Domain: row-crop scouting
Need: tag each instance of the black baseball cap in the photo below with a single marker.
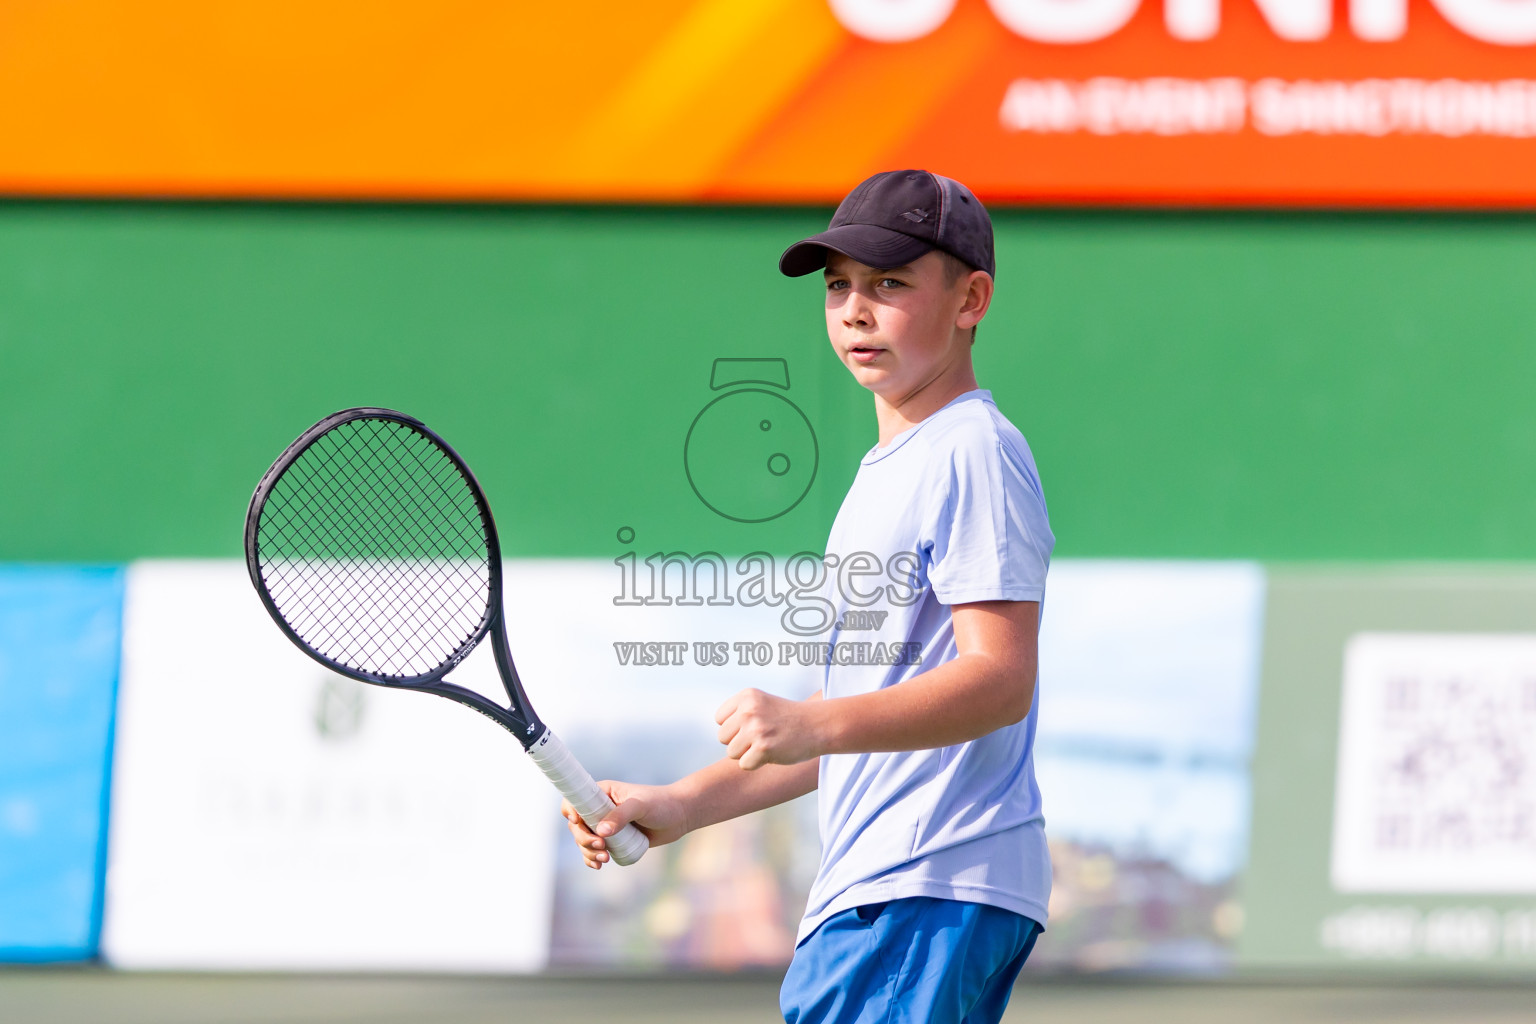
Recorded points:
(891, 219)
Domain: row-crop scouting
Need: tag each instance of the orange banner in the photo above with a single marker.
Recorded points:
(1375, 102)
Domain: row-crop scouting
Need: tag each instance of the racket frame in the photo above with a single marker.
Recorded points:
(519, 719)
(551, 755)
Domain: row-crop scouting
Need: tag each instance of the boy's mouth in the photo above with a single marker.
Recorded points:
(864, 353)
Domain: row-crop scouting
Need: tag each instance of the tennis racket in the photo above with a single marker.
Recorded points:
(373, 548)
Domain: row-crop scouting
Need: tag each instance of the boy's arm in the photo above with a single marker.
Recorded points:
(989, 684)
(713, 794)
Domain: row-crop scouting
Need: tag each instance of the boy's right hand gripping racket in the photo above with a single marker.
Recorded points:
(373, 548)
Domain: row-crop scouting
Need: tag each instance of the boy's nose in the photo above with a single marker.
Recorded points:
(857, 313)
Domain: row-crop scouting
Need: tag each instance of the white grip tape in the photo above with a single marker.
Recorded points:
(576, 784)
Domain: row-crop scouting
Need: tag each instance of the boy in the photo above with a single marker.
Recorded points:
(934, 873)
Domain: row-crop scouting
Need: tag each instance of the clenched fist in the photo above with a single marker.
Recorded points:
(758, 728)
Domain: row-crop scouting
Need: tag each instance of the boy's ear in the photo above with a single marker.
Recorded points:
(978, 298)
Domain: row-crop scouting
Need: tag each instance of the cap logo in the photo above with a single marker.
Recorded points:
(916, 216)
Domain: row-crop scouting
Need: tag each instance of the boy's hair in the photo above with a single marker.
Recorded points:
(954, 269)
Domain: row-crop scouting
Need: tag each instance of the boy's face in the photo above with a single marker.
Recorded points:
(899, 330)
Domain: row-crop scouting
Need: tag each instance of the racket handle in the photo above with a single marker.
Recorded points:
(576, 784)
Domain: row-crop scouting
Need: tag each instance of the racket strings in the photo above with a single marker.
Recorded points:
(396, 604)
(373, 549)
(382, 608)
(385, 598)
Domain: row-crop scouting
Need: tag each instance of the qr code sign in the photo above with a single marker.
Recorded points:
(1436, 783)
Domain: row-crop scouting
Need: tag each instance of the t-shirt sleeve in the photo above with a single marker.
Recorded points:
(987, 535)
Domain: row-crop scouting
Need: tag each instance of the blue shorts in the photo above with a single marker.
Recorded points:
(918, 959)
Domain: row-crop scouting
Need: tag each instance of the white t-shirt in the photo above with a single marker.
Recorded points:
(952, 511)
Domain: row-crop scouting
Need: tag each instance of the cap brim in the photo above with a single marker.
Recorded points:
(870, 244)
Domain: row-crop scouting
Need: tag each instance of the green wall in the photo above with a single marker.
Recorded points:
(1283, 387)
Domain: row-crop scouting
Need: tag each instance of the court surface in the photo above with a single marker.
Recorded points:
(102, 997)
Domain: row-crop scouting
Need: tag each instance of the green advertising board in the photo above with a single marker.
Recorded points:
(1210, 385)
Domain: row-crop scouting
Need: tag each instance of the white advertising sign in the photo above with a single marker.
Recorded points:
(1436, 786)
(269, 814)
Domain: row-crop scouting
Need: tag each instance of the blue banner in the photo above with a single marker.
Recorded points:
(60, 644)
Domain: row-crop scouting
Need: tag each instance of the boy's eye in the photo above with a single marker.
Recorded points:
(890, 282)
(833, 286)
